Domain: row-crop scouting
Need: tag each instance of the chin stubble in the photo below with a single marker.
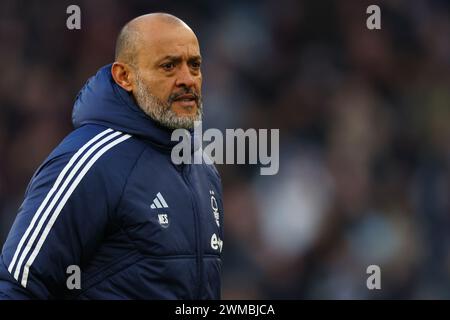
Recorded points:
(161, 111)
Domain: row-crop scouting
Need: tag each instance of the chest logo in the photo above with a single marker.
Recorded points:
(215, 207)
(159, 202)
(216, 243)
(163, 220)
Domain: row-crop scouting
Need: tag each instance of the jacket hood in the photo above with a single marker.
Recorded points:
(101, 101)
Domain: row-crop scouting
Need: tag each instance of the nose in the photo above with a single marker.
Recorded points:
(185, 78)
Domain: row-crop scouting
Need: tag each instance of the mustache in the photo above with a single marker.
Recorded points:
(184, 91)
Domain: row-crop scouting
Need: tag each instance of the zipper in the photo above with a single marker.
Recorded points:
(197, 231)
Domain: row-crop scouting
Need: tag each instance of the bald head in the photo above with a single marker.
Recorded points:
(133, 33)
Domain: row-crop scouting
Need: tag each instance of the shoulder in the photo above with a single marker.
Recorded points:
(93, 153)
(95, 142)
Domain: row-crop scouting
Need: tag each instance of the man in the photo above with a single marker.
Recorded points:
(109, 200)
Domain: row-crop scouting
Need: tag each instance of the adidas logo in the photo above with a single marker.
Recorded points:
(159, 202)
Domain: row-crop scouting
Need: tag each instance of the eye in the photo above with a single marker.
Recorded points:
(196, 64)
(168, 66)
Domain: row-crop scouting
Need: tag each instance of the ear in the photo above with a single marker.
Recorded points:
(122, 75)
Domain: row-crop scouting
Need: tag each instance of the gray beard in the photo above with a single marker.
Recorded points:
(161, 111)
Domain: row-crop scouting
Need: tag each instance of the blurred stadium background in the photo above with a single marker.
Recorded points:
(363, 118)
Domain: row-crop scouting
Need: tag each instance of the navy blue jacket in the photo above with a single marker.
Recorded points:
(109, 200)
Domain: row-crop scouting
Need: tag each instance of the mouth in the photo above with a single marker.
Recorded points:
(186, 100)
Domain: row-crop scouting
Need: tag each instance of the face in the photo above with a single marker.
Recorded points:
(167, 80)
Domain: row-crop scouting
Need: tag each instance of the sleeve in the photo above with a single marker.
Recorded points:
(59, 224)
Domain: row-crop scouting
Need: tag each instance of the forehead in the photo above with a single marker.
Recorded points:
(156, 43)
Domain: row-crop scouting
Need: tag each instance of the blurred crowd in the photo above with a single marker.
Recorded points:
(364, 135)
